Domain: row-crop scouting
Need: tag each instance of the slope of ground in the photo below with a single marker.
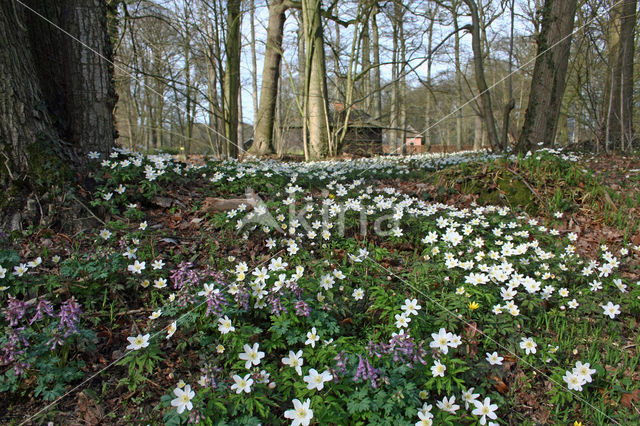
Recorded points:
(448, 289)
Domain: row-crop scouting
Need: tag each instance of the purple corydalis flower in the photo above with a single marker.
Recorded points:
(341, 362)
(292, 285)
(215, 302)
(242, 298)
(69, 316)
(302, 309)
(15, 310)
(182, 275)
(365, 371)
(12, 349)
(44, 306)
(276, 305)
(402, 348)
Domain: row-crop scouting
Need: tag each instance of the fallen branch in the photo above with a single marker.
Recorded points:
(212, 204)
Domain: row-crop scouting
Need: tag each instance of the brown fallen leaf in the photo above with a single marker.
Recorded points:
(499, 385)
(629, 399)
(90, 412)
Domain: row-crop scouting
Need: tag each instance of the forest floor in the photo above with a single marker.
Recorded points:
(521, 277)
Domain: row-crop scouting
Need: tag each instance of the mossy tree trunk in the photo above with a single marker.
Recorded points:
(56, 95)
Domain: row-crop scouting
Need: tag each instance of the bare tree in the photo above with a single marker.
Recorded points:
(486, 110)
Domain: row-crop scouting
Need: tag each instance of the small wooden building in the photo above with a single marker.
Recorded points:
(363, 136)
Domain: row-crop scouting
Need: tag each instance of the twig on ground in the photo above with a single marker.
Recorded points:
(89, 210)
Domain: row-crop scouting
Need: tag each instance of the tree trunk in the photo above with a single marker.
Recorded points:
(263, 138)
(232, 77)
(548, 81)
(485, 97)
(56, 96)
(477, 133)
(213, 128)
(316, 81)
(302, 53)
(254, 64)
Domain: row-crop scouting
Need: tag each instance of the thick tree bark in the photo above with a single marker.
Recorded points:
(548, 81)
(56, 93)
(21, 122)
(485, 97)
(232, 77)
(75, 80)
(263, 138)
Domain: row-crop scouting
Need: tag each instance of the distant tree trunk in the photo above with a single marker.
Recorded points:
(366, 64)
(232, 77)
(402, 117)
(627, 48)
(212, 94)
(429, 135)
(213, 49)
(478, 133)
(459, 94)
(337, 53)
(393, 107)
(375, 86)
(240, 126)
(485, 97)
(265, 118)
(302, 53)
(510, 101)
(619, 96)
(548, 81)
(189, 92)
(315, 81)
(56, 96)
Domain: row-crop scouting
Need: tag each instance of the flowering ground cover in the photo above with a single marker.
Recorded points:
(461, 289)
